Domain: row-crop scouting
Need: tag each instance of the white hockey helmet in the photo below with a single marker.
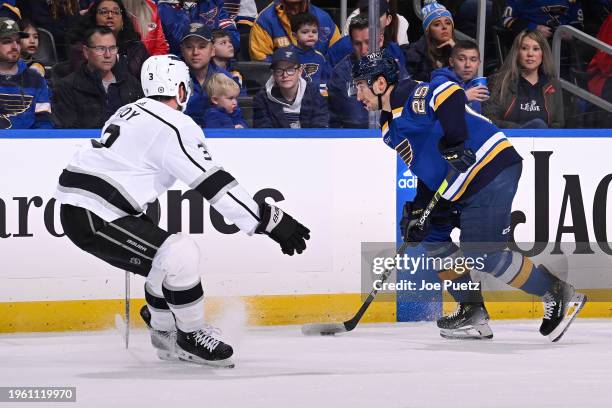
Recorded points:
(162, 75)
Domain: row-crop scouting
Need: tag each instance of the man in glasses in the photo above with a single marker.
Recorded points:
(88, 97)
(345, 110)
(288, 101)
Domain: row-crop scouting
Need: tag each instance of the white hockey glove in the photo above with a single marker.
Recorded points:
(282, 228)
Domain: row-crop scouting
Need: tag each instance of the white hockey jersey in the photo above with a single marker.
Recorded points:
(145, 147)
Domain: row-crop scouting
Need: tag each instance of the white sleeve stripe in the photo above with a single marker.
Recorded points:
(480, 154)
(438, 90)
(204, 176)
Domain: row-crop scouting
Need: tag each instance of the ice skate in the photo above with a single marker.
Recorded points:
(561, 306)
(202, 347)
(164, 342)
(469, 321)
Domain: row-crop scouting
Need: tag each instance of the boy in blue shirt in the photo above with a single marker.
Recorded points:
(225, 113)
(305, 30)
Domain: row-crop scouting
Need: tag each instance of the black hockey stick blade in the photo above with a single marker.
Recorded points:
(323, 329)
(329, 329)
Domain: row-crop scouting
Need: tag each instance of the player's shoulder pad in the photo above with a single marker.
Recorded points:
(400, 95)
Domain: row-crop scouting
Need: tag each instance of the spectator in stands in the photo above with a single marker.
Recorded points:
(197, 52)
(542, 15)
(57, 17)
(433, 49)
(305, 30)
(397, 28)
(344, 46)
(24, 95)
(525, 92)
(345, 110)
(10, 10)
(88, 97)
(600, 67)
(112, 14)
(225, 112)
(288, 101)
(29, 46)
(147, 22)
(271, 29)
(464, 63)
(223, 55)
(176, 15)
(465, 14)
(244, 19)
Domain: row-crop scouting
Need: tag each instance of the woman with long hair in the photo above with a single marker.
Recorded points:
(147, 23)
(525, 91)
(434, 48)
(112, 14)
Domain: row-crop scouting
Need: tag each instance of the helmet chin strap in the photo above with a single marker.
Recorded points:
(380, 95)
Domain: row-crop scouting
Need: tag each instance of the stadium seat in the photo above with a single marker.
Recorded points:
(246, 106)
(255, 74)
(46, 54)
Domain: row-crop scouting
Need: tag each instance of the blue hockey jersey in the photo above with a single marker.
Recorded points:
(24, 100)
(521, 14)
(414, 130)
(176, 19)
(314, 67)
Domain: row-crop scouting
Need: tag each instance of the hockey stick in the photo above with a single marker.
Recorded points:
(328, 329)
(123, 324)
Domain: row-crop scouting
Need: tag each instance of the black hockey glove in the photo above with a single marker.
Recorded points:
(282, 228)
(408, 224)
(458, 157)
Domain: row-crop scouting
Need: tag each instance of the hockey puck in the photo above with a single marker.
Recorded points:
(327, 334)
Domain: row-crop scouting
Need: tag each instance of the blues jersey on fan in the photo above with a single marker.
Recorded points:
(551, 13)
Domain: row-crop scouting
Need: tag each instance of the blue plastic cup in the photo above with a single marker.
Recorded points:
(478, 81)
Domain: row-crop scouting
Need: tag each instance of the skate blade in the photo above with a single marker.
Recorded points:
(479, 332)
(167, 355)
(191, 358)
(575, 306)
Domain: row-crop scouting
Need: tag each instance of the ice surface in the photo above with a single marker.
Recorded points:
(400, 365)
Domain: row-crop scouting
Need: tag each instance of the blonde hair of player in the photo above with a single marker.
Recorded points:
(220, 84)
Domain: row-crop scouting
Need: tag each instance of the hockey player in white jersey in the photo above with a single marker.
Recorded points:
(145, 147)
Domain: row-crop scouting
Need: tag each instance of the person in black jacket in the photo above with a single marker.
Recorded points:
(112, 14)
(288, 101)
(88, 97)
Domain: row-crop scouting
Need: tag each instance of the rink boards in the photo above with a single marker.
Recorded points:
(341, 184)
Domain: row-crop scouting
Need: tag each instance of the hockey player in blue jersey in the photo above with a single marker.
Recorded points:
(432, 129)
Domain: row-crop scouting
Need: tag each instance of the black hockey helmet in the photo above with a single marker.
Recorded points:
(373, 65)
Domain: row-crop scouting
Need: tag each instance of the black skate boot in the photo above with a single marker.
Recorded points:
(202, 347)
(163, 341)
(469, 321)
(561, 306)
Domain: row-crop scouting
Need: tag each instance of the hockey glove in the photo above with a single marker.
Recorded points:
(282, 228)
(458, 157)
(408, 224)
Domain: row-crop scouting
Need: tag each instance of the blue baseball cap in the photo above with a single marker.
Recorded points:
(285, 54)
(198, 30)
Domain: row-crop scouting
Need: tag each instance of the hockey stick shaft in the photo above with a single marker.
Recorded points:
(127, 309)
(352, 323)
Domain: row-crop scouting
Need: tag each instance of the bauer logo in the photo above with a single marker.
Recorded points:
(406, 180)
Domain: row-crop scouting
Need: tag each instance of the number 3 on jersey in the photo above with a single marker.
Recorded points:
(418, 101)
